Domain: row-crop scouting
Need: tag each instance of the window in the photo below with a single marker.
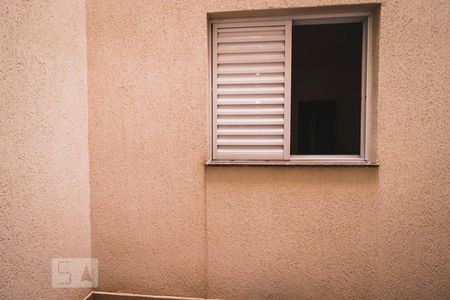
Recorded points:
(290, 90)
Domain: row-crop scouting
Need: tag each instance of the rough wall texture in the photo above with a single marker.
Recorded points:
(147, 173)
(44, 187)
(163, 224)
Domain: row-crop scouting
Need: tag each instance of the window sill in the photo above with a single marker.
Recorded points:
(311, 163)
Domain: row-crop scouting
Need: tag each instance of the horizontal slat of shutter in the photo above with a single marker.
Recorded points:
(250, 28)
(259, 130)
(250, 140)
(250, 120)
(249, 36)
(250, 68)
(249, 90)
(250, 99)
(227, 58)
(252, 47)
(250, 109)
(250, 78)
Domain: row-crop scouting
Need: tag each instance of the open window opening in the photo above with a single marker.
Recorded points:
(326, 89)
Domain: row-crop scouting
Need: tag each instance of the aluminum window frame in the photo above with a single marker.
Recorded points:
(366, 18)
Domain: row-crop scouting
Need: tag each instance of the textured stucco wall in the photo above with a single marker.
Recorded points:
(44, 185)
(164, 224)
(147, 173)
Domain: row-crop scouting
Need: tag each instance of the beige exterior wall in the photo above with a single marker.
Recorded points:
(165, 224)
(44, 174)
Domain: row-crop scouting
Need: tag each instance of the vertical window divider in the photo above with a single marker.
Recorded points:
(214, 89)
(363, 126)
(287, 90)
(368, 89)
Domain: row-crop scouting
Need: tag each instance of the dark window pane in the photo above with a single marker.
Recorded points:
(326, 89)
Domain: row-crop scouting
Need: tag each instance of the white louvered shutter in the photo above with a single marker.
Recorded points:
(251, 64)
